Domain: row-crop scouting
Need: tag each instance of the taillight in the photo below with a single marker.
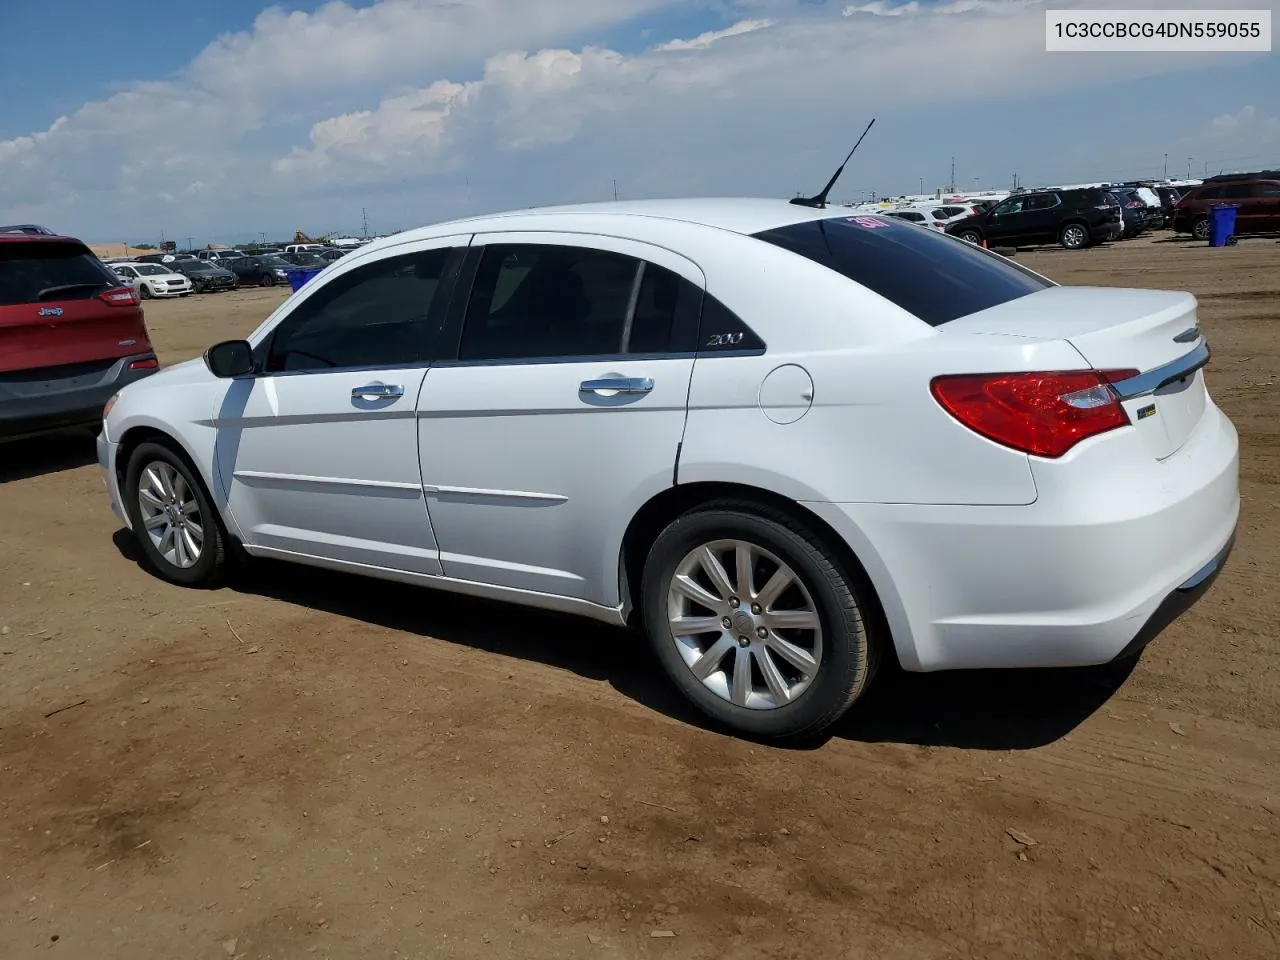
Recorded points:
(146, 363)
(119, 297)
(1133, 204)
(1043, 414)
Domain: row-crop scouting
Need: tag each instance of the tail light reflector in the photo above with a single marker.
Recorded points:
(119, 297)
(146, 363)
(1043, 414)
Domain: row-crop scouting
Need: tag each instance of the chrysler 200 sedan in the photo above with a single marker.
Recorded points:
(784, 443)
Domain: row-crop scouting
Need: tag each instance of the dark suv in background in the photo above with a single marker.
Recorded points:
(70, 334)
(1257, 194)
(1075, 218)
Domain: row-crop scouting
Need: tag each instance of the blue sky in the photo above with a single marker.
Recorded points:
(223, 119)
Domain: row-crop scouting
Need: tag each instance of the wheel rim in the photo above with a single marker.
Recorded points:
(745, 624)
(1074, 236)
(970, 237)
(1201, 229)
(171, 514)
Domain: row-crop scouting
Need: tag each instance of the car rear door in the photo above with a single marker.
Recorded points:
(562, 411)
(1269, 204)
(317, 453)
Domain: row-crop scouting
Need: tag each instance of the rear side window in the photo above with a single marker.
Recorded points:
(45, 272)
(1209, 193)
(935, 277)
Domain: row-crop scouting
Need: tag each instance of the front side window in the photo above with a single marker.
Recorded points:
(557, 302)
(374, 316)
(933, 276)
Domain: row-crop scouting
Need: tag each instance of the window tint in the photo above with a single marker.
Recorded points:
(933, 276)
(50, 271)
(1267, 190)
(1209, 193)
(544, 300)
(666, 313)
(1043, 201)
(1238, 191)
(376, 315)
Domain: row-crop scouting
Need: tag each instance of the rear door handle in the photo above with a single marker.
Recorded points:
(615, 385)
(377, 391)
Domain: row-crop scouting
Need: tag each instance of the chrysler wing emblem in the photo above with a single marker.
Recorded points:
(1189, 335)
(50, 311)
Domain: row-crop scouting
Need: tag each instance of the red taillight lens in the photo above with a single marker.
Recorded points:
(1133, 204)
(1043, 414)
(119, 297)
(147, 363)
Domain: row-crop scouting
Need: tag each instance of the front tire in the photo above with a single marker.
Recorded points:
(144, 292)
(1200, 229)
(172, 516)
(1074, 236)
(970, 236)
(756, 621)
(268, 280)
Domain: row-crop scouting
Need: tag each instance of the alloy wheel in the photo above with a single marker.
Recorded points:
(1073, 236)
(171, 514)
(745, 624)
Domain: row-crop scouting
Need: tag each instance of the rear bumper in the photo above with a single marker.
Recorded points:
(32, 407)
(1090, 572)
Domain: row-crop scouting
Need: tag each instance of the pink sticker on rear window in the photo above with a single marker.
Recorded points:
(869, 222)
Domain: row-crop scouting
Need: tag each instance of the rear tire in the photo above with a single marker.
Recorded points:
(173, 517)
(1200, 228)
(766, 675)
(1074, 236)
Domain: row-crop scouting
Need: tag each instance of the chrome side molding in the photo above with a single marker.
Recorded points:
(1171, 372)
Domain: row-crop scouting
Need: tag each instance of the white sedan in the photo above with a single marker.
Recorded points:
(153, 280)
(786, 442)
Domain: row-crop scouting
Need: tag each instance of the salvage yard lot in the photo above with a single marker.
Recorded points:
(307, 764)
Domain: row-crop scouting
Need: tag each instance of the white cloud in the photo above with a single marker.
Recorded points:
(306, 112)
(1233, 122)
(704, 40)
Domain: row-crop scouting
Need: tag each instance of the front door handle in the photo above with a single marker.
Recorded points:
(377, 391)
(609, 386)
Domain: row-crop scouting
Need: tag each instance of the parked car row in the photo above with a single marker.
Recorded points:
(160, 275)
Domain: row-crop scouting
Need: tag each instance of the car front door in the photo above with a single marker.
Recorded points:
(317, 453)
(1007, 221)
(562, 411)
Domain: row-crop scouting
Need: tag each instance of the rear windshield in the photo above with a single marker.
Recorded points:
(935, 277)
(47, 272)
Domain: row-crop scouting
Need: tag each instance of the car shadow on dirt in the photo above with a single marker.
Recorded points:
(51, 453)
(983, 710)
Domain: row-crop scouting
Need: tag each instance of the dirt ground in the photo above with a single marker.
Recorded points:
(311, 765)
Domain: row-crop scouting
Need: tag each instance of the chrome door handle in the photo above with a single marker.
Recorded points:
(377, 391)
(613, 385)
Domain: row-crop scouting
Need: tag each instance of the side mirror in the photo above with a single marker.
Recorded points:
(231, 358)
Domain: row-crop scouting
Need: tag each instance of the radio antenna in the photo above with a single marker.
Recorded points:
(820, 200)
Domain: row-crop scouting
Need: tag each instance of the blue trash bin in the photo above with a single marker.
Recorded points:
(1222, 223)
(300, 275)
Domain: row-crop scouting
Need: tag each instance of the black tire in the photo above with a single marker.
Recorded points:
(268, 280)
(1200, 228)
(144, 291)
(187, 294)
(212, 563)
(1074, 236)
(970, 236)
(850, 653)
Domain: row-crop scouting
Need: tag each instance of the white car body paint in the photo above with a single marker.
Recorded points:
(508, 481)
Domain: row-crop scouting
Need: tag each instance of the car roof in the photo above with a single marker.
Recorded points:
(741, 215)
(37, 238)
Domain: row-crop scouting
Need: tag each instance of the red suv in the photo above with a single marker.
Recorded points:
(70, 334)
(1257, 194)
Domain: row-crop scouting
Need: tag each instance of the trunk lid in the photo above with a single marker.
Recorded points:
(51, 313)
(1154, 332)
